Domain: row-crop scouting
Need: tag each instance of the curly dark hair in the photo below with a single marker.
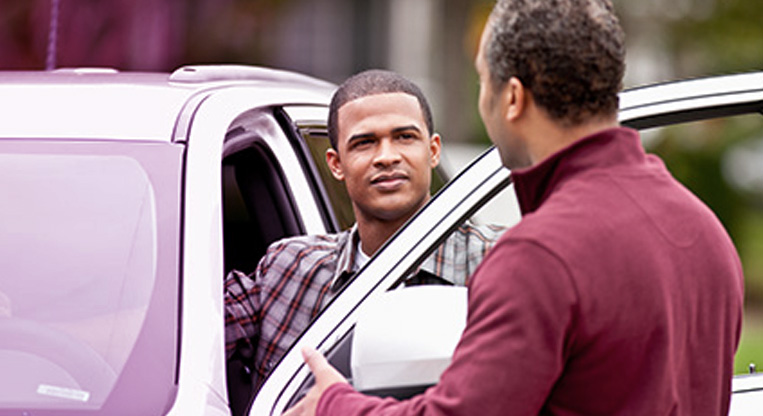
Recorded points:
(570, 54)
(372, 82)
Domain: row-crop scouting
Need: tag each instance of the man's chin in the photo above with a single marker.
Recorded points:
(399, 212)
(512, 162)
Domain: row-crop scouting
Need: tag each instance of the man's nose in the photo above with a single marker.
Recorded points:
(386, 153)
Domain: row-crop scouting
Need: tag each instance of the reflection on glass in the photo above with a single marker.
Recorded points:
(77, 270)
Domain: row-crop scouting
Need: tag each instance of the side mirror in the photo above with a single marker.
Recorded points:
(405, 340)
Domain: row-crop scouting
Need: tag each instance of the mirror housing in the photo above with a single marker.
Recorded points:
(405, 340)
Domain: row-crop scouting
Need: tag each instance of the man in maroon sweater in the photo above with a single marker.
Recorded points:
(619, 292)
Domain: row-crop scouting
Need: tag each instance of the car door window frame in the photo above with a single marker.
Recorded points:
(306, 123)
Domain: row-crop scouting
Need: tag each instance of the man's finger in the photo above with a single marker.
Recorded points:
(314, 359)
(325, 374)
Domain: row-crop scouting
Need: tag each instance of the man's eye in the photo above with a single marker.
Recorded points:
(407, 136)
(361, 143)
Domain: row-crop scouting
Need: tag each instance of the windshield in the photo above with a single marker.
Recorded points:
(88, 243)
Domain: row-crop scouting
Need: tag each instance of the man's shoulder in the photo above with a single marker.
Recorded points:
(304, 247)
(310, 242)
(482, 232)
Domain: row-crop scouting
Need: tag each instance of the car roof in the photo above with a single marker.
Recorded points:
(99, 103)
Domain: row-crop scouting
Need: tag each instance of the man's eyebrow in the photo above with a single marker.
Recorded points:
(361, 136)
(404, 128)
(372, 135)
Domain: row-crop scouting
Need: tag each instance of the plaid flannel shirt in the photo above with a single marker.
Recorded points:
(267, 310)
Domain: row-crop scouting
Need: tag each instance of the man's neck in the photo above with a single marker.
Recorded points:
(552, 137)
(373, 233)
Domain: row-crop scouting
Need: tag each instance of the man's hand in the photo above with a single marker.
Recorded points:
(325, 376)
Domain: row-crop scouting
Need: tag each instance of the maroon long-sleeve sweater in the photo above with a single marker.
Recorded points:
(619, 293)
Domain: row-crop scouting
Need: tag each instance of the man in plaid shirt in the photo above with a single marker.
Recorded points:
(383, 148)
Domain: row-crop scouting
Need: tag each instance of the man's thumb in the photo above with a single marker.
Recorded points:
(313, 358)
(325, 374)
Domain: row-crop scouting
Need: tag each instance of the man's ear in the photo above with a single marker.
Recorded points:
(435, 147)
(514, 99)
(335, 165)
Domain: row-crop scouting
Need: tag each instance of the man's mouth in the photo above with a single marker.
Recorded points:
(389, 181)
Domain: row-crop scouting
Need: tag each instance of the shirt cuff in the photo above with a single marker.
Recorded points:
(334, 391)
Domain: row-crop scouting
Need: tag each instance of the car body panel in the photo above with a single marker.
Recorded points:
(83, 104)
(747, 399)
(202, 297)
(190, 111)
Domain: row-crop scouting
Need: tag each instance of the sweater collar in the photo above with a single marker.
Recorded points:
(606, 148)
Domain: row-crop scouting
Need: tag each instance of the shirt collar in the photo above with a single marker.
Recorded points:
(605, 148)
(346, 262)
(346, 267)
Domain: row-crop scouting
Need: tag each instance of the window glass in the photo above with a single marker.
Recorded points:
(317, 140)
(79, 270)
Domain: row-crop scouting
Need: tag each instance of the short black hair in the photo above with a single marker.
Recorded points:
(569, 54)
(373, 82)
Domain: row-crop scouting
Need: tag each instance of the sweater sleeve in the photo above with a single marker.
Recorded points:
(521, 311)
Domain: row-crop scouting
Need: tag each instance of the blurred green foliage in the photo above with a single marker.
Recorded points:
(694, 153)
(727, 38)
(751, 345)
